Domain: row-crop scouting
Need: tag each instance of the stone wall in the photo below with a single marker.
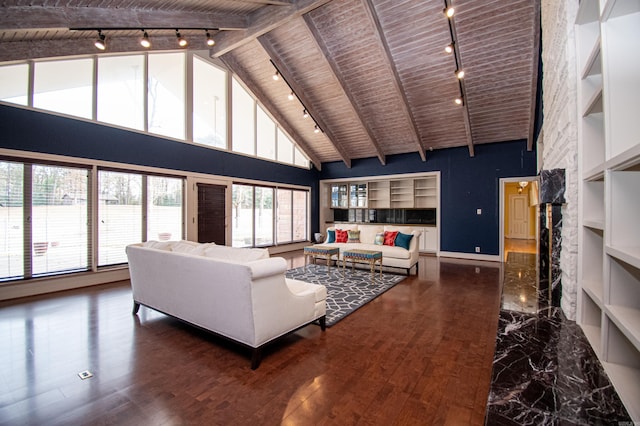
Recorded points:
(560, 129)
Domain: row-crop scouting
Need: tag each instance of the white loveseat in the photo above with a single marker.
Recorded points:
(240, 294)
(392, 256)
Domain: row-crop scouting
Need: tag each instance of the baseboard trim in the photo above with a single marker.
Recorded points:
(471, 256)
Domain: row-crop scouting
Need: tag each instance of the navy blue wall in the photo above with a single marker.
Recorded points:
(34, 131)
(467, 183)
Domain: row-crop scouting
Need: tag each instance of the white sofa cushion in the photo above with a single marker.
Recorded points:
(235, 254)
(368, 233)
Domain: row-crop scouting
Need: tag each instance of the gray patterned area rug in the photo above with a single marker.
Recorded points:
(346, 291)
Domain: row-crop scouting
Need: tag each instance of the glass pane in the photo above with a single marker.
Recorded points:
(266, 135)
(164, 205)
(299, 215)
(243, 120)
(166, 94)
(64, 86)
(242, 216)
(285, 148)
(121, 90)
(14, 83)
(300, 159)
(59, 219)
(11, 220)
(119, 215)
(209, 104)
(263, 216)
(284, 216)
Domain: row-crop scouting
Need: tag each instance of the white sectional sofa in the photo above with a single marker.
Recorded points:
(392, 256)
(241, 294)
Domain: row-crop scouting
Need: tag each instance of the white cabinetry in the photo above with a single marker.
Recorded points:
(608, 64)
(429, 239)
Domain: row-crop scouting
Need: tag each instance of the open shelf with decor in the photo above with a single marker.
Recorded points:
(608, 75)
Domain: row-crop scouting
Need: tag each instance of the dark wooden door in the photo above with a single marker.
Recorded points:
(211, 213)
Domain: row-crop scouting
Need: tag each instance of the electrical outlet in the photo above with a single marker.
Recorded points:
(85, 374)
(477, 249)
(477, 270)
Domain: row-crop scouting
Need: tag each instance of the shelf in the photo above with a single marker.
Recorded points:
(626, 161)
(593, 224)
(594, 103)
(623, 224)
(628, 322)
(630, 255)
(594, 290)
(593, 203)
(587, 12)
(627, 383)
(594, 174)
(593, 64)
(591, 134)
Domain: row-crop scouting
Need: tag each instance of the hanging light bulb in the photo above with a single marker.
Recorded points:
(210, 40)
(181, 41)
(276, 76)
(305, 113)
(290, 96)
(144, 41)
(449, 11)
(316, 129)
(458, 101)
(449, 48)
(100, 42)
(460, 74)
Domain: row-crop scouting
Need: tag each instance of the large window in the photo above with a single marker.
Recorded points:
(65, 86)
(149, 92)
(209, 104)
(56, 236)
(166, 94)
(14, 84)
(259, 221)
(243, 113)
(121, 90)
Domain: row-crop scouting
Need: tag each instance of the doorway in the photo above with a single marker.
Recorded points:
(518, 216)
(211, 213)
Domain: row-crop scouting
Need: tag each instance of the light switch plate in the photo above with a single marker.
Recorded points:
(479, 211)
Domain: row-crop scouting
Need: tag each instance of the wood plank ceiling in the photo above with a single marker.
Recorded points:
(373, 74)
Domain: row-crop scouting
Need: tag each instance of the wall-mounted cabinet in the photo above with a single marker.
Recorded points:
(358, 194)
(339, 195)
(608, 63)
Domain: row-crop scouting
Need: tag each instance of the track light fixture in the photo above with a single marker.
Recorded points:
(182, 42)
(458, 101)
(276, 75)
(305, 113)
(144, 41)
(210, 40)
(290, 96)
(449, 11)
(449, 48)
(460, 74)
(100, 43)
(316, 129)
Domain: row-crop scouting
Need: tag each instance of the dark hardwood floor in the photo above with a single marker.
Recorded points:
(419, 354)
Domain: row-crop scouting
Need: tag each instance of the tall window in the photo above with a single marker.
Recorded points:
(164, 208)
(60, 222)
(65, 86)
(14, 81)
(11, 220)
(119, 215)
(209, 104)
(166, 94)
(243, 120)
(121, 90)
(265, 135)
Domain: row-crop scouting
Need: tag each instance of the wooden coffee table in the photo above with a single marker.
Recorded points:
(321, 251)
(362, 256)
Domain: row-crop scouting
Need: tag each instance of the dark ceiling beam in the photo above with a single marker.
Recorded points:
(36, 17)
(261, 22)
(36, 49)
(254, 87)
(371, 11)
(300, 93)
(534, 77)
(343, 86)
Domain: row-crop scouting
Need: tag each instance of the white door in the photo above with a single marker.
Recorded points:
(518, 216)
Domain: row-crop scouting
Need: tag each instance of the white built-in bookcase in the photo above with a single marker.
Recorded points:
(608, 64)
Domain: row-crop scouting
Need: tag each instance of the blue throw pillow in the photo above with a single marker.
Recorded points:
(331, 236)
(403, 240)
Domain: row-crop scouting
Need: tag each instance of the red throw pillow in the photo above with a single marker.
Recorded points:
(390, 238)
(341, 236)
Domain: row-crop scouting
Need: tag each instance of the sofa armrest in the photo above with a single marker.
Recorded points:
(267, 267)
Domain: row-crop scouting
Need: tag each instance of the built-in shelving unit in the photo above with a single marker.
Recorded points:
(401, 194)
(379, 194)
(608, 64)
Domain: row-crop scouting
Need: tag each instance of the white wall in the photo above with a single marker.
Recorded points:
(560, 128)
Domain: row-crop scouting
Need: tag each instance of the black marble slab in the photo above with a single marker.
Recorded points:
(546, 373)
(552, 186)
